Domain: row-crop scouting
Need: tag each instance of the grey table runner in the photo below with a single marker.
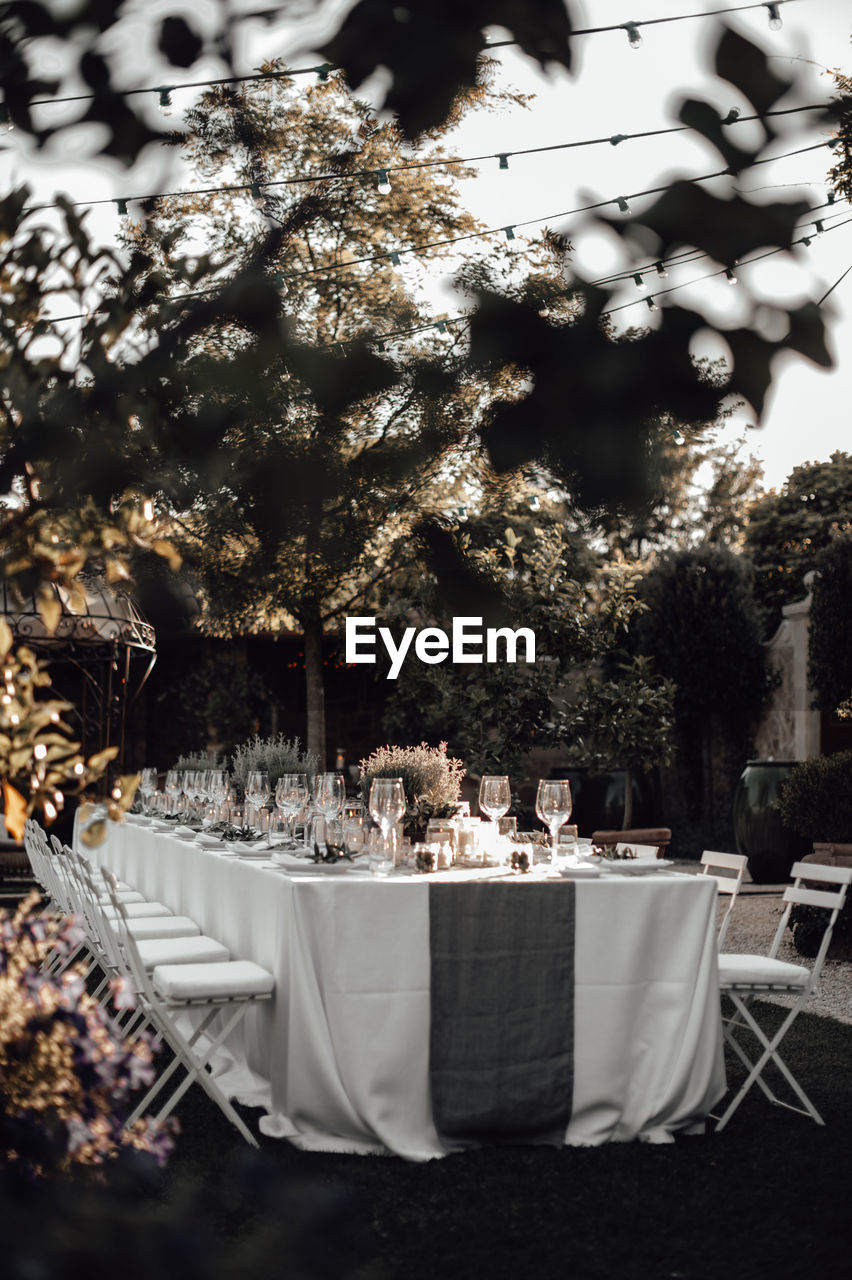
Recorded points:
(502, 1028)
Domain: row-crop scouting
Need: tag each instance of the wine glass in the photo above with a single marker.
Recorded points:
(218, 790)
(148, 786)
(387, 805)
(329, 794)
(257, 792)
(291, 793)
(174, 783)
(495, 795)
(553, 806)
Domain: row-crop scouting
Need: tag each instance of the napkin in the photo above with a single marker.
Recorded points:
(206, 841)
(185, 833)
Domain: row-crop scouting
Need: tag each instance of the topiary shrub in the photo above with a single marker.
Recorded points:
(816, 802)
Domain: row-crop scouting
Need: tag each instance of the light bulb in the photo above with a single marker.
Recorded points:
(383, 185)
(634, 35)
(660, 270)
(729, 276)
(395, 260)
(775, 22)
(462, 515)
(6, 125)
(820, 226)
(624, 207)
(165, 101)
(831, 198)
(638, 281)
(441, 326)
(806, 241)
(678, 437)
(510, 233)
(504, 160)
(122, 208)
(535, 505)
(651, 304)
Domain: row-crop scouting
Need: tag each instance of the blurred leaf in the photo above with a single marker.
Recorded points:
(180, 44)
(745, 66)
(705, 119)
(15, 811)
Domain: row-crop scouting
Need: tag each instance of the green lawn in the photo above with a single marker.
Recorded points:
(768, 1197)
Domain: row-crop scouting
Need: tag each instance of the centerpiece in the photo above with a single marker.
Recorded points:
(431, 781)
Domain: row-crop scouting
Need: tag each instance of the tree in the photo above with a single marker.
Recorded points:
(701, 628)
(494, 714)
(323, 481)
(788, 529)
(594, 441)
(830, 637)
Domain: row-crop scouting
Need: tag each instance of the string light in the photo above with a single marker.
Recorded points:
(775, 21)
(623, 206)
(165, 100)
(639, 281)
(651, 304)
(678, 436)
(504, 160)
(660, 270)
(535, 505)
(820, 226)
(6, 125)
(510, 233)
(383, 185)
(395, 259)
(729, 276)
(634, 35)
(122, 208)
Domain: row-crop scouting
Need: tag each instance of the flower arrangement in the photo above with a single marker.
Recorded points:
(65, 1078)
(431, 780)
(275, 756)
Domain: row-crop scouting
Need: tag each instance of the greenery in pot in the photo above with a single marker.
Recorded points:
(816, 802)
(431, 780)
(274, 756)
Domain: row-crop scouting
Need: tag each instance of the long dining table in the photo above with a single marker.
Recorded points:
(339, 1059)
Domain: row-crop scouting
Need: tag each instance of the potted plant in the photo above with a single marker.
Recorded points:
(431, 781)
(273, 756)
(816, 803)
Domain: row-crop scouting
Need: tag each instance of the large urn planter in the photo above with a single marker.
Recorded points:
(771, 848)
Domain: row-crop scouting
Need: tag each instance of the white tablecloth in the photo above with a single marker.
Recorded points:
(340, 1057)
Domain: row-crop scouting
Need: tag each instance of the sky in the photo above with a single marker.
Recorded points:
(613, 89)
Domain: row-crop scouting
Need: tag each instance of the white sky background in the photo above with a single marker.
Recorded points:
(614, 89)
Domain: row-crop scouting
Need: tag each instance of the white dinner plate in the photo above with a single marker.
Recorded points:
(580, 873)
(637, 866)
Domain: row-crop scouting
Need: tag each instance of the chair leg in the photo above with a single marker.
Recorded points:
(769, 1053)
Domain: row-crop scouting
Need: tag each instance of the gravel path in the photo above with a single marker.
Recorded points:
(753, 923)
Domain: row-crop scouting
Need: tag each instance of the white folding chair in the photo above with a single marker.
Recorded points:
(727, 870)
(227, 989)
(744, 977)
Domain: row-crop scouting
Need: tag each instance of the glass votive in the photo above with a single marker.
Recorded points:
(507, 826)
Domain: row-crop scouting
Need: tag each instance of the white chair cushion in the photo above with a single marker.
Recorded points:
(123, 895)
(197, 950)
(138, 910)
(205, 981)
(759, 971)
(161, 927)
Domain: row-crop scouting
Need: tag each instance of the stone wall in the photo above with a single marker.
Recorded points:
(790, 727)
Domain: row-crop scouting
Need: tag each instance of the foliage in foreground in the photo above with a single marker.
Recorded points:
(830, 634)
(66, 1078)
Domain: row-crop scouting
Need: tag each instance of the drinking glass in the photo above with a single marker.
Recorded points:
(291, 792)
(387, 805)
(148, 786)
(494, 795)
(174, 781)
(258, 793)
(329, 794)
(218, 790)
(553, 807)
